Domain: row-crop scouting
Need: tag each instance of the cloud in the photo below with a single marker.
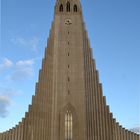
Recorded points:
(136, 130)
(21, 74)
(6, 95)
(4, 103)
(23, 70)
(25, 62)
(20, 70)
(6, 63)
(30, 42)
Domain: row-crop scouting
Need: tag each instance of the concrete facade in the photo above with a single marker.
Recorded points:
(69, 102)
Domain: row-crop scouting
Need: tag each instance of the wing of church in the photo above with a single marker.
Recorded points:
(68, 103)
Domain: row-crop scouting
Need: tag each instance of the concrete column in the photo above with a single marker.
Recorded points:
(6, 134)
(95, 123)
(48, 97)
(18, 132)
(10, 134)
(2, 136)
(43, 102)
(100, 107)
(88, 91)
(121, 133)
(127, 137)
(115, 130)
(44, 105)
(112, 134)
(130, 136)
(138, 137)
(118, 131)
(124, 137)
(24, 128)
(93, 116)
(121, 136)
(47, 108)
(92, 104)
(12, 131)
(126, 134)
(133, 137)
(102, 112)
(106, 120)
(90, 97)
(97, 106)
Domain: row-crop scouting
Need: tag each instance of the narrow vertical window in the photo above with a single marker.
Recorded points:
(68, 6)
(75, 8)
(61, 8)
(68, 125)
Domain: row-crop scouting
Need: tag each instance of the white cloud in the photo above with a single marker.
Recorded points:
(135, 130)
(4, 103)
(22, 70)
(21, 74)
(6, 95)
(25, 62)
(6, 63)
(26, 42)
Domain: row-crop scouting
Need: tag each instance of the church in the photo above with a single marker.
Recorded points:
(68, 103)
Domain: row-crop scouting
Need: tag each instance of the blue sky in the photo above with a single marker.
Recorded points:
(114, 32)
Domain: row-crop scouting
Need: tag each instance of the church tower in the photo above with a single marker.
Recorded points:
(68, 103)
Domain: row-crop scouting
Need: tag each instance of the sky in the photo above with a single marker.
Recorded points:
(114, 31)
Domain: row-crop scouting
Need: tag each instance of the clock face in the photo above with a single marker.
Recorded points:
(68, 22)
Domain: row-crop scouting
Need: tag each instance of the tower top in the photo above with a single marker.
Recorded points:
(68, 6)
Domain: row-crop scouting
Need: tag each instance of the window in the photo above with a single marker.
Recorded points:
(61, 8)
(75, 8)
(68, 6)
(68, 125)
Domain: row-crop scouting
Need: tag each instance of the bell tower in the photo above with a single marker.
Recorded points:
(68, 103)
(69, 96)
